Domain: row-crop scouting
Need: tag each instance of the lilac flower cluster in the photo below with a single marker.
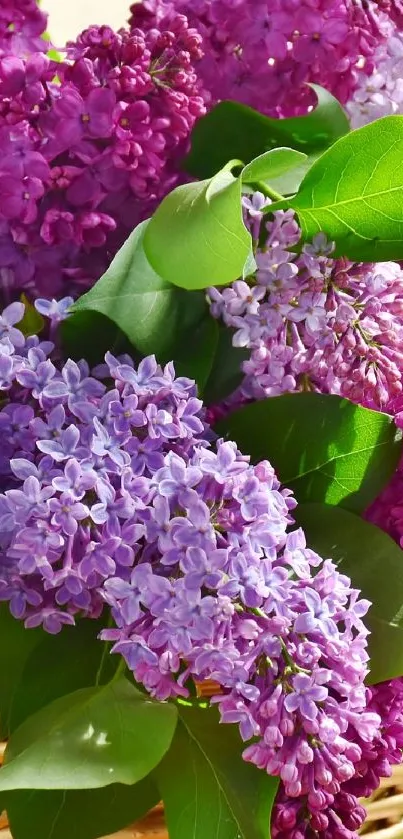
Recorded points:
(22, 23)
(379, 93)
(118, 496)
(313, 322)
(76, 467)
(89, 154)
(256, 52)
(377, 758)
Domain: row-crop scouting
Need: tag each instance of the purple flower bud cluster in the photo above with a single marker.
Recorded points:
(346, 814)
(118, 495)
(313, 322)
(87, 155)
(256, 52)
(22, 23)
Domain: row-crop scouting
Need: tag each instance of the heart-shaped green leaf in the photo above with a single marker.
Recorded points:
(60, 664)
(82, 814)
(375, 564)
(197, 237)
(207, 788)
(323, 447)
(354, 193)
(90, 738)
(157, 317)
(271, 164)
(231, 130)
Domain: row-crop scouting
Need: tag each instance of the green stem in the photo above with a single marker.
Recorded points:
(263, 187)
(120, 670)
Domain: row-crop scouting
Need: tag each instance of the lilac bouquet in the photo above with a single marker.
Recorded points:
(201, 376)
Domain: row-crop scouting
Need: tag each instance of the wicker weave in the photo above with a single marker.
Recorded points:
(384, 820)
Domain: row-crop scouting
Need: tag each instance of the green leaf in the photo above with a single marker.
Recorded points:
(231, 130)
(82, 814)
(207, 788)
(375, 564)
(156, 316)
(323, 447)
(272, 164)
(90, 738)
(226, 373)
(354, 193)
(196, 357)
(197, 237)
(17, 645)
(288, 183)
(89, 335)
(60, 664)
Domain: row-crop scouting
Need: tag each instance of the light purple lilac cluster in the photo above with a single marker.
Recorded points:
(256, 52)
(76, 469)
(313, 322)
(118, 495)
(88, 154)
(379, 93)
(378, 755)
(22, 24)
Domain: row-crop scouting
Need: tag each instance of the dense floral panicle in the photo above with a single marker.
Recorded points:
(379, 93)
(256, 52)
(22, 23)
(77, 463)
(313, 322)
(345, 814)
(118, 495)
(85, 159)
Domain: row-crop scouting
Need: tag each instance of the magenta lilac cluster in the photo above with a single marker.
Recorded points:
(117, 494)
(22, 23)
(313, 322)
(88, 154)
(256, 52)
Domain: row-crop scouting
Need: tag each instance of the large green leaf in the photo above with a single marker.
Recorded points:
(207, 788)
(288, 183)
(156, 316)
(272, 164)
(226, 373)
(16, 646)
(323, 447)
(197, 237)
(82, 814)
(354, 193)
(231, 130)
(375, 564)
(60, 664)
(90, 738)
(89, 335)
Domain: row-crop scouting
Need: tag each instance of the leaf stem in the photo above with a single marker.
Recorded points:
(263, 187)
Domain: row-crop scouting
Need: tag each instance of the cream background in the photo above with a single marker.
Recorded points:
(68, 17)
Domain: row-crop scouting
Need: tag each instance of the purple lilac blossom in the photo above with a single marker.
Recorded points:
(256, 52)
(88, 156)
(312, 322)
(22, 23)
(191, 547)
(379, 93)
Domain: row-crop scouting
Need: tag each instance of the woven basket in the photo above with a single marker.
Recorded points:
(384, 819)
